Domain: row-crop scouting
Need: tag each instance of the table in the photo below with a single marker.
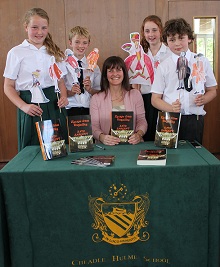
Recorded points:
(54, 213)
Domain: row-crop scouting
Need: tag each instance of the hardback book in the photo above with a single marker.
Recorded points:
(122, 125)
(80, 133)
(152, 157)
(167, 129)
(51, 139)
(98, 161)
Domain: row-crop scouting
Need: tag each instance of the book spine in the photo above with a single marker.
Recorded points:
(41, 141)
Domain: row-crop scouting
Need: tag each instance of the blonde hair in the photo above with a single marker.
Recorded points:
(51, 47)
(81, 31)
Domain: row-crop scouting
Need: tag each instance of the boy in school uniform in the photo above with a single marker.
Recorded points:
(79, 94)
(184, 82)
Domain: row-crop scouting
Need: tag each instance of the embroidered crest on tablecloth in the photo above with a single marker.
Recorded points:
(119, 216)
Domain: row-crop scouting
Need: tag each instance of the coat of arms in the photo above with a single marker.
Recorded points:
(119, 216)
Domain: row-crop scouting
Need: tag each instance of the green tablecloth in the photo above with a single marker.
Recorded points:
(57, 214)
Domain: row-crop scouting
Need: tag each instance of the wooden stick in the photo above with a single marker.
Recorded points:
(58, 99)
(40, 115)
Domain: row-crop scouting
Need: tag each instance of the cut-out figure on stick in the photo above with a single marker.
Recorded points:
(198, 75)
(72, 65)
(183, 71)
(37, 94)
(138, 63)
(92, 59)
(55, 74)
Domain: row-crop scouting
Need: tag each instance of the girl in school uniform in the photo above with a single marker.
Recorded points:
(27, 72)
(151, 41)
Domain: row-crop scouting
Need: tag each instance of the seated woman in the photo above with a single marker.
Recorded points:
(116, 95)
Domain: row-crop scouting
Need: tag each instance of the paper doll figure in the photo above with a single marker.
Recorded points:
(92, 59)
(37, 94)
(140, 69)
(55, 73)
(198, 75)
(156, 62)
(72, 65)
(183, 71)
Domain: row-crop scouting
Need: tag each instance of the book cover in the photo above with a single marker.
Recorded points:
(107, 160)
(167, 129)
(80, 133)
(152, 157)
(51, 139)
(122, 125)
(98, 161)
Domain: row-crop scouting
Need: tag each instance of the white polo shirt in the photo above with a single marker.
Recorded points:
(166, 83)
(82, 100)
(23, 60)
(163, 53)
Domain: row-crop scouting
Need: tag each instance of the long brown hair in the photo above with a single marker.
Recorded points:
(158, 22)
(51, 47)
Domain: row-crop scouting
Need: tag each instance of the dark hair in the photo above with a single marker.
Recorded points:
(177, 26)
(158, 22)
(111, 63)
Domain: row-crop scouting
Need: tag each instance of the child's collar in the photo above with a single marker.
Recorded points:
(82, 59)
(175, 57)
(25, 43)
